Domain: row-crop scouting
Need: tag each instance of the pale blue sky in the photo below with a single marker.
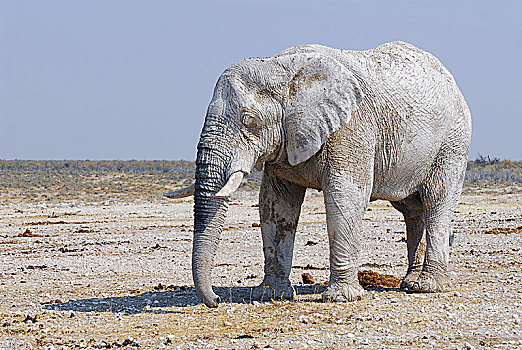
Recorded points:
(132, 79)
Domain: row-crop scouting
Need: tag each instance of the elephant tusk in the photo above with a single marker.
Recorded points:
(182, 193)
(231, 186)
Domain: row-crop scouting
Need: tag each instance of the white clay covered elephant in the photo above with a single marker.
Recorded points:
(388, 123)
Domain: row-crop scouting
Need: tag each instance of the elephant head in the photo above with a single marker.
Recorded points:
(279, 110)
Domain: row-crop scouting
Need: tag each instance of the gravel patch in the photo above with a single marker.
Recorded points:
(106, 275)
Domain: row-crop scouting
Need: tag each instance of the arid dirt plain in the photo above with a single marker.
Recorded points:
(116, 272)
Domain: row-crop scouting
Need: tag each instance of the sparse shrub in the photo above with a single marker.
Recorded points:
(488, 171)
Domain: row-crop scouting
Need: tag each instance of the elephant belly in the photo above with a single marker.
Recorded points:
(391, 194)
(398, 174)
(397, 183)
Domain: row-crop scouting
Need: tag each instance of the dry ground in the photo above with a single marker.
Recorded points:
(112, 274)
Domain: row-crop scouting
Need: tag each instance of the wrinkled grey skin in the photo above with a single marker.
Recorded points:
(387, 123)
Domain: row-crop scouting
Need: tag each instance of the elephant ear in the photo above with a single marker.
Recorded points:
(321, 98)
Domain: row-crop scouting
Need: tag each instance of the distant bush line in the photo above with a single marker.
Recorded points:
(177, 168)
(482, 171)
(487, 171)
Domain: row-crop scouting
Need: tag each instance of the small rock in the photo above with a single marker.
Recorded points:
(468, 346)
(130, 342)
(169, 339)
(30, 319)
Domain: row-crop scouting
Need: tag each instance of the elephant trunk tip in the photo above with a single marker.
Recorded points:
(212, 300)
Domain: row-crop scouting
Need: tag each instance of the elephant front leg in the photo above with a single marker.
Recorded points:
(279, 207)
(345, 206)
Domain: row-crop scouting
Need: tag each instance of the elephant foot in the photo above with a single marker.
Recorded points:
(273, 290)
(411, 277)
(430, 283)
(341, 291)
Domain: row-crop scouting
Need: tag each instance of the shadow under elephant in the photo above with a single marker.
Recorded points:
(154, 302)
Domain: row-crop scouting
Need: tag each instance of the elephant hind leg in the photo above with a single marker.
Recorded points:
(411, 209)
(440, 195)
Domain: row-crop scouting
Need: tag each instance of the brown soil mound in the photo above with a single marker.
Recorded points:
(307, 278)
(28, 233)
(367, 278)
(503, 230)
(373, 279)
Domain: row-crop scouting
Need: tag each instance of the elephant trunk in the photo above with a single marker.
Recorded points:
(209, 216)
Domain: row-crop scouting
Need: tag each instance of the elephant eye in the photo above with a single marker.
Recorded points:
(249, 121)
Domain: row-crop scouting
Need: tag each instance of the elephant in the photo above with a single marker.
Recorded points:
(387, 123)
